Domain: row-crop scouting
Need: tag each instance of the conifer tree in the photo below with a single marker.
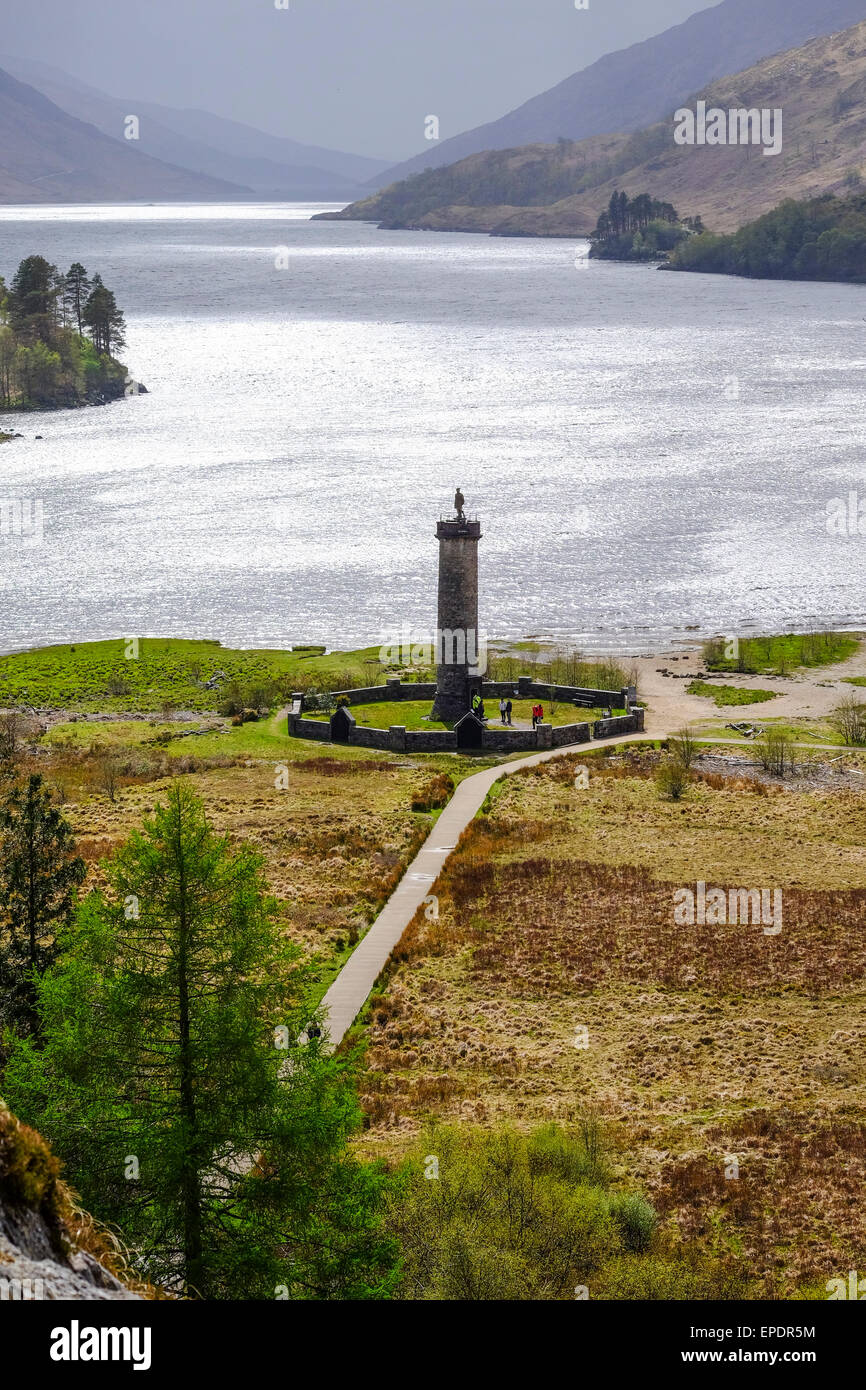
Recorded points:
(39, 874)
(173, 1085)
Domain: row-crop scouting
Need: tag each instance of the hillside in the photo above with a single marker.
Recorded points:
(638, 85)
(559, 190)
(47, 156)
(271, 166)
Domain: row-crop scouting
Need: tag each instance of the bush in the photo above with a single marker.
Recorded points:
(775, 750)
(637, 1220)
(672, 778)
(849, 720)
(434, 794)
(638, 1278)
(460, 1232)
(502, 1215)
(684, 747)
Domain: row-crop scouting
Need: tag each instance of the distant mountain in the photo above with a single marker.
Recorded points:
(271, 166)
(559, 190)
(639, 85)
(47, 156)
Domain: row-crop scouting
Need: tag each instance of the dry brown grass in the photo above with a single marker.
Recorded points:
(335, 841)
(556, 916)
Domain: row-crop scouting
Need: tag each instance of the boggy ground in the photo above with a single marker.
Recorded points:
(728, 1064)
(335, 833)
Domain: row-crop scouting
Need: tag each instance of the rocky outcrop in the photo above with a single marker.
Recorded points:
(39, 1255)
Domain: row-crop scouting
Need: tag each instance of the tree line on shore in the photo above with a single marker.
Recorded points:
(640, 229)
(819, 239)
(58, 336)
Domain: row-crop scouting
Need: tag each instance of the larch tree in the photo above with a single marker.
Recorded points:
(173, 1084)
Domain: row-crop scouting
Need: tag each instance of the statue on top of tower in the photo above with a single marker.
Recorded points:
(459, 502)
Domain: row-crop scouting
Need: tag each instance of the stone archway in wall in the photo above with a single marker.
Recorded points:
(469, 731)
(342, 724)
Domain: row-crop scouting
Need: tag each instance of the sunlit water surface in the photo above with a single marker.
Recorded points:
(650, 454)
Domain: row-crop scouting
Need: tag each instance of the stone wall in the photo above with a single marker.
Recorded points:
(394, 690)
(568, 694)
(571, 733)
(524, 687)
(495, 739)
(621, 724)
(430, 740)
(309, 728)
(370, 738)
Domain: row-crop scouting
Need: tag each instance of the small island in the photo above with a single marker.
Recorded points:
(58, 337)
(640, 229)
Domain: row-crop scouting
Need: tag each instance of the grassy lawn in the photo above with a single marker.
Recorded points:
(724, 695)
(91, 676)
(413, 714)
(779, 655)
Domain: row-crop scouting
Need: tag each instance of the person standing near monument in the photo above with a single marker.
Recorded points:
(508, 708)
(503, 710)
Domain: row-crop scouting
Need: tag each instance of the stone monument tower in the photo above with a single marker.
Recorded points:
(458, 646)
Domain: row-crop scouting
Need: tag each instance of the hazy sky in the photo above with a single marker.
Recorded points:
(358, 75)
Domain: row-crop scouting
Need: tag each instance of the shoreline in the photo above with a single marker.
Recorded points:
(800, 694)
(655, 648)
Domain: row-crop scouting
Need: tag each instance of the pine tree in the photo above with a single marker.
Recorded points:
(221, 1156)
(104, 319)
(31, 301)
(39, 875)
(77, 288)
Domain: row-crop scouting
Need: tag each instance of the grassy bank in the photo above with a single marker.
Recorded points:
(778, 655)
(152, 673)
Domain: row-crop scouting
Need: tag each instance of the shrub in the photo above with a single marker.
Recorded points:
(684, 747)
(435, 794)
(636, 1278)
(637, 1220)
(849, 720)
(502, 1215)
(507, 1217)
(775, 750)
(10, 732)
(672, 779)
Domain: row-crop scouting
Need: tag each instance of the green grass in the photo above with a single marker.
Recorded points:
(98, 676)
(111, 733)
(854, 680)
(779, 655)
(411, 714)
(724, 695)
